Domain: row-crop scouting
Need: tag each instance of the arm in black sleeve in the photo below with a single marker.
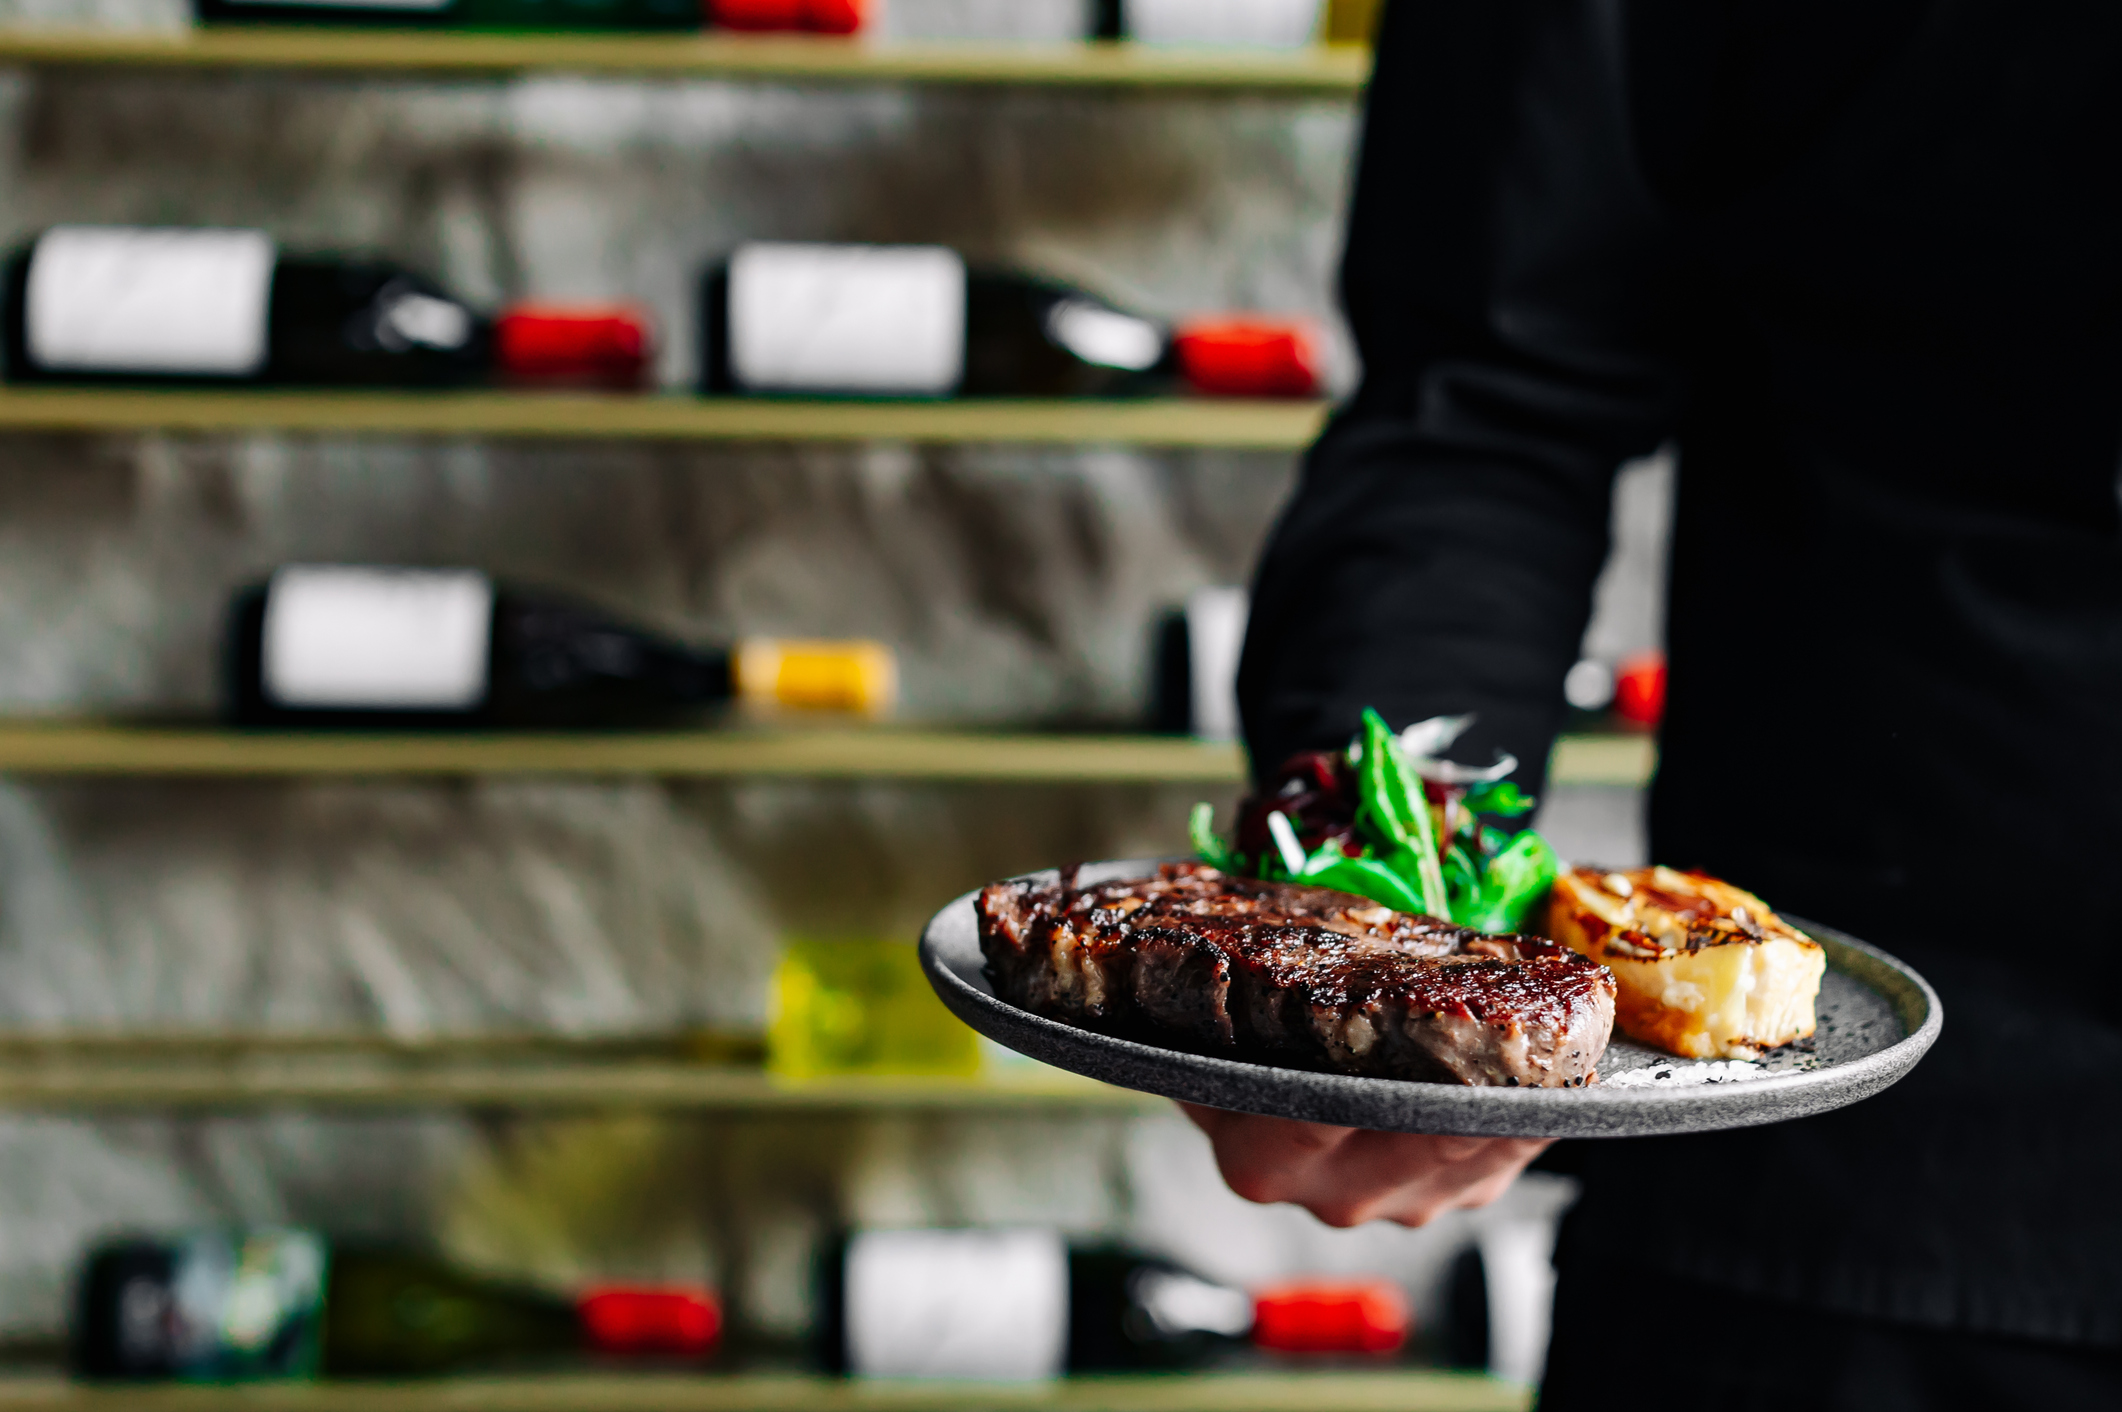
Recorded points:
(1504, 277)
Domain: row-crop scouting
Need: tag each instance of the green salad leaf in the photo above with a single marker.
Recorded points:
(1201, 826)
(1397, 809)
(1445, 861)
(1516, 881)
(1501, 798)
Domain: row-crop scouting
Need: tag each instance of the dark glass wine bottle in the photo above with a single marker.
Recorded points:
(1017, 1305)
(341, 647)
(558, 15)
(915, 321)
(126, 303)
(232, 1306)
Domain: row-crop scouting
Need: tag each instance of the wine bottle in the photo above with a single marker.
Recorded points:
(916, 321)
(234, 1306)
(560, 15)
(1267, 24)
(100, 303)
(1194, 682)
(325, 646)
(1023, 1305)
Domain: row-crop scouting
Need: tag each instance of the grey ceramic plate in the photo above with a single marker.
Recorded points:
(1877, 1018)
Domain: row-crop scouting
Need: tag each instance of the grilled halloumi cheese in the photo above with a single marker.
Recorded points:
(1706, 970)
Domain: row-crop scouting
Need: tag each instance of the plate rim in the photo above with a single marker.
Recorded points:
(1488, 1111)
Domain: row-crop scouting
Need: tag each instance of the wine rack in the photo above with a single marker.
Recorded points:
(1335, 69)
(100, 749)
(1194, 1392)
(1165, 422)
(127, 1073)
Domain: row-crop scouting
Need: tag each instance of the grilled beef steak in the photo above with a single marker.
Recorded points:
(1297, 976)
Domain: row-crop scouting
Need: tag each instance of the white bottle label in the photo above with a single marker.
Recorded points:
(377, 639)
(1266, 24)
(986, 1306)
(117, 299)
(1215, 640)
(237, 1305)
(881, 320)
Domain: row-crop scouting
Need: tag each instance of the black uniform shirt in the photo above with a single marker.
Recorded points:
(1861, 260)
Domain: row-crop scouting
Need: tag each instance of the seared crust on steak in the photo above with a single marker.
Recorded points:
(1298, 976)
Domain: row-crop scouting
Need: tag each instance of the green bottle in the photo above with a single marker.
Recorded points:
(240, 1306)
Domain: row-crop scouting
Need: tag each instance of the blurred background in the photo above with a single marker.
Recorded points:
(178, 939)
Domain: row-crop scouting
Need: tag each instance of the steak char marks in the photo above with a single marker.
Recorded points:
(1298, 976)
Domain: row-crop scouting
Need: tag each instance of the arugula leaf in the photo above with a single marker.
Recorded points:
(1398, 810)
(1366, 877)
(1517, 880)
(1502, 798)
(1201, 826)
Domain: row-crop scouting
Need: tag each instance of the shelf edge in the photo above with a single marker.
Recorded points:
(1324, 71)
(1196, 423)
(60, 749)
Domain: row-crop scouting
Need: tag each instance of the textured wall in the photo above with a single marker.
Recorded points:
(1018, 586)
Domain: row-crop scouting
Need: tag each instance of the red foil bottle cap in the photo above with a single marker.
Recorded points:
(835, 16)
(818, 16)
(1246, 357)
(608, 344)
(676, 1320)
(1639, 690)
(1361, 1316)
(757, 14)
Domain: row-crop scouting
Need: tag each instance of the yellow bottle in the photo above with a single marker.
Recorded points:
(861, 1005)
(1352, 21)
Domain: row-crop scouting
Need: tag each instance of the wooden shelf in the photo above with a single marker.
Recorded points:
(1627, 760)
(84, 749)
(1396, 1391)
(92, 749)
(1178, 422)
(1320, 69)
(245, 1074)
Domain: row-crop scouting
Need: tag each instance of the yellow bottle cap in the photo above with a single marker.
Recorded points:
(816, 676)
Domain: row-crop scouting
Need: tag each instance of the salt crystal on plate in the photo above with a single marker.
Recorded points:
(1725, 1071)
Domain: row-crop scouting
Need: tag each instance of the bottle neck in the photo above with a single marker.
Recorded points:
(548, 648)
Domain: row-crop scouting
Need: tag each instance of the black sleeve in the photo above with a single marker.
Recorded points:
(1505, 276)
